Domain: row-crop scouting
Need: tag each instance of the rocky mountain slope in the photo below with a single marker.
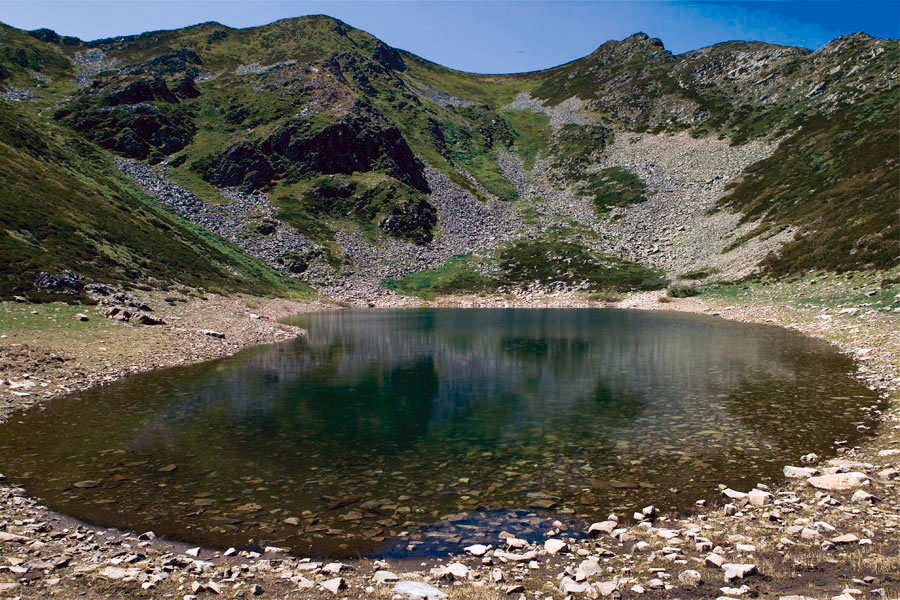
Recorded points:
(309, 151)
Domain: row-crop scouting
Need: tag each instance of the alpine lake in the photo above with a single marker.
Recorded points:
(417, 432)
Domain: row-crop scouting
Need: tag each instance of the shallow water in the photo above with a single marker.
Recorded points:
(416, 432)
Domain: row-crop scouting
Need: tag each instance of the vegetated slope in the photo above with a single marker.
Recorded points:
(838, 178)
(368, 151)
(63, 206)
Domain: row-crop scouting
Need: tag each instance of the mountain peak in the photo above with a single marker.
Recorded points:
(638, 46)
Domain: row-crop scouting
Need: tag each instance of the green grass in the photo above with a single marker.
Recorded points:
(682, 291)
(457, 275)
(531, 131)
(560, 256)
(613, 186)
(837, 180)
(64, 205)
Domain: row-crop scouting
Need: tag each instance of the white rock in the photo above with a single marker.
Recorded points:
(476, 550)
(738, 571)
(607, 588)
(417, 590)
(863, 497)
(690, 578)
(759, 497)
(799, 472)
(382, 577)
(839, 481)
(733, 494)
(334, 585)
(603, 527)
(589, 568)
(555, 546)
(714, 560)
(456, 571)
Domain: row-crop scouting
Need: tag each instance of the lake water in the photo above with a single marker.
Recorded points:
(416, 432)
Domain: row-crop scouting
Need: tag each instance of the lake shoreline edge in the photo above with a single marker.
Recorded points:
(245, 321)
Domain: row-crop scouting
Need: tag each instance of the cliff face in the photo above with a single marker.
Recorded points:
(373, 163)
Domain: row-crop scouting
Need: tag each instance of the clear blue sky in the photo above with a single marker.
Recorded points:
(487, 37)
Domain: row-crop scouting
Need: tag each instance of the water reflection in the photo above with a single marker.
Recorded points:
(420, 431)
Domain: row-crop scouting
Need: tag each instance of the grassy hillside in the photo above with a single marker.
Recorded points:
(838, 178)
(339, 130)
(63, 205)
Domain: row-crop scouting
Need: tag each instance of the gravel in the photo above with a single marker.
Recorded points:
(226, 219)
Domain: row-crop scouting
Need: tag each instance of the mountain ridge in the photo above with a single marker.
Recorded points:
(338, 131)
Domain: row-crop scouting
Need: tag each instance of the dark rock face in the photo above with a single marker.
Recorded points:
(358, 142)
(45, 35)
(413, 221)
(388, 57)
(170, 63)
(240, 165)
(145, 90)
(64, 282)
(135, 130)
(186, 88)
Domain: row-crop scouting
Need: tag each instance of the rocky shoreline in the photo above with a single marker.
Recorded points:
(800, 537)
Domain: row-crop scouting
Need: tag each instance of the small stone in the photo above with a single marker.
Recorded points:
(256, 589)
(759, 497)
(690, 578)
(863, 497)
(168, 468)
(513, 589)
(334, 585)
(12, 537)
(82, 317)
(847, 538)
(607, 588)
(555, 546)
(656, 584)
(733, 494)
(87, 484)
(382, 577)
(839, 481)
(589, 568)
(799, 472)
(457, 571)
(113, 573)
(714, 560)
(738, 571)
(606, 527)
(476, 550)
(417, 590)
(334, 568)
(195, 552)
(809, 534)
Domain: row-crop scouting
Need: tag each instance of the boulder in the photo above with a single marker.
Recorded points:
(417, 590)
(690, 578)
(799, 472)
(555, 546)
(837, 482)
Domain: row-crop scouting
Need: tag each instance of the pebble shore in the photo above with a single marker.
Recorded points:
(827, 530)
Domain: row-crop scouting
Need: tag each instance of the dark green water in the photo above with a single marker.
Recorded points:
(415, 432)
